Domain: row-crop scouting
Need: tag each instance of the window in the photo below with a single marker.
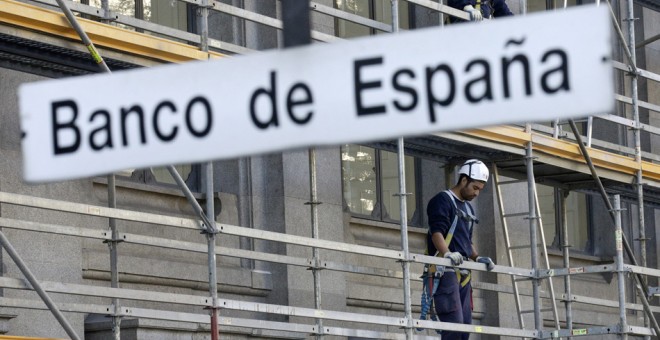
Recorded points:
(161, 176)
(537, 5)
(577, 217)
(166, 13)
(373, 9)
(371, 181)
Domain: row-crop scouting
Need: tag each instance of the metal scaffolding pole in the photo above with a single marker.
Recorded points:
(211, 231)
(114, 256)
(316, 269)
(105, 5)
(203, 20)
(533, 221)
(191, 199)
(403, 209)
(638, 145)
(619, 268)
(565, 247)
(404, 240)
(83, 36)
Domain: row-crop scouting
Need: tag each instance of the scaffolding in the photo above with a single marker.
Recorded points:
(547, 145)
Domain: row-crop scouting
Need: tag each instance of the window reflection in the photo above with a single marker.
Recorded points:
(576, 217)
(371, 182)
(359, 178)
(378, 10)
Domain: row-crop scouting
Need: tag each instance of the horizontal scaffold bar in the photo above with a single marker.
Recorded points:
(642, 270)
(515, 332)
(129, 215)
(119, 293)
(602, 268)
(592, 331)
(99, 211)
(606, 303)
(104, 234)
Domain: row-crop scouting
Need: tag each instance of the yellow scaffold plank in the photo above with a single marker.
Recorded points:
(54, 22)
(516, 136)
(9, 337)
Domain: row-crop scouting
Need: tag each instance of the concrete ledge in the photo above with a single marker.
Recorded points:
(4, 322)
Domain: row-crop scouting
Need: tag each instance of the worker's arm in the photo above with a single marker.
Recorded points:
(475, 254)
(440, 244)
(443, 251)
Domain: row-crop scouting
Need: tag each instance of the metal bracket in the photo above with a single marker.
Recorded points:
(208, 230)
(206, 4)
(313, 266)
(112, 240)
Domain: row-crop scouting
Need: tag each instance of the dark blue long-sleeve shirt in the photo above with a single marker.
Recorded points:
(441, 212)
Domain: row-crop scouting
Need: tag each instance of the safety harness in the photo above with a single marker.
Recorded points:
(432, 273)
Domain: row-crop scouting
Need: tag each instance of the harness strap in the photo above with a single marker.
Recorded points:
(450, 235)
(430, 283)
(463, 279)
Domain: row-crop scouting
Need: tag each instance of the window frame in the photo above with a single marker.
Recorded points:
(146, 176)
(372, 15)
(416, 219)
(556, 242)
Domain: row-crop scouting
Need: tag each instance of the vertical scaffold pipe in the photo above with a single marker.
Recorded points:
(203, 19)
(634, 95)
(565, 247)
(533, 221)
(404, 240)
(313, 203)
(619, 268)
(403, 209)
(114, 256)
(105, 6)
(211, 231)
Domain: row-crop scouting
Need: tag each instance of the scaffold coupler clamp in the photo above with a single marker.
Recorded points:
(315, 264)
(207, 228)
(112, 240)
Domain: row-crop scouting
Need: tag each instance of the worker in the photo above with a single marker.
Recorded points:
(451, 221)
(480, 9)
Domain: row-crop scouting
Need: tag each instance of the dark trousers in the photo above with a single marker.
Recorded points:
(453, 304)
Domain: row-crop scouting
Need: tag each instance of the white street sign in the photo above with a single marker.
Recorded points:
(538, 67)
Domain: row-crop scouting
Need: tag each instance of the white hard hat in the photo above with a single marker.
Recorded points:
(475, 169)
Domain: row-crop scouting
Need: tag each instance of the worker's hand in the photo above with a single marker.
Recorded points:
(490, 265)
(455, 257)
(475, 15)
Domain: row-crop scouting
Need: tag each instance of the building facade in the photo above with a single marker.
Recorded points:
(274, 280)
